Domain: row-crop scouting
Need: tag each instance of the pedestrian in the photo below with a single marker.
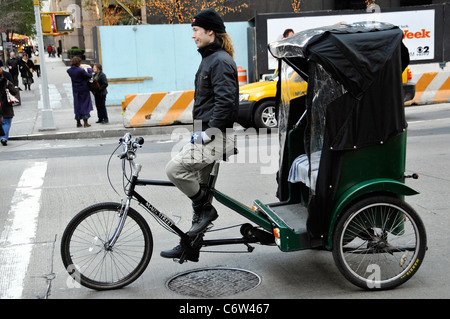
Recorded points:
(6, 108)
(59, 51)
(100, 94)
(37, 64)
(288, 33)
(13, 65)
(49, 50)
(26, 67)
(82, 102)
(216, 101)
(28, 50)
(6, 73)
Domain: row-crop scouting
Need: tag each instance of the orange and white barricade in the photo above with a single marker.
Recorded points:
(432, 84)
(154, 109)
(242, 75)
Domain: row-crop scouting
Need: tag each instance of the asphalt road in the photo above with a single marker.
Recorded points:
(44, 183)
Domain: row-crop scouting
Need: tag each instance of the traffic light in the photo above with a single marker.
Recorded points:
(64, 22)
(46, 23)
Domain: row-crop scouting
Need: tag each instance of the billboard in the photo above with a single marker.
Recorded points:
(418, 29)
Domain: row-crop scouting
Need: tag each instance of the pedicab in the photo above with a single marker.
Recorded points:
(341, 179)
(343, 152)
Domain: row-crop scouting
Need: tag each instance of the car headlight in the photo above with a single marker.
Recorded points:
(243, 97)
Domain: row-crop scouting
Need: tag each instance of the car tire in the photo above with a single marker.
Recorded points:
(266, 115)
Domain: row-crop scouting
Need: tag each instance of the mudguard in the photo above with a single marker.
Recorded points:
(362, 189)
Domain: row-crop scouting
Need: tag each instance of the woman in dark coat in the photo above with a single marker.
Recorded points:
(26, 71)
(100, 95)
(82, 102)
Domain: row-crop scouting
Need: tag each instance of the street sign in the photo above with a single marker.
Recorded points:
(57, 23)
(64, 22)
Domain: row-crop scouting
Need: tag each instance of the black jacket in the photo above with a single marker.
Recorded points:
(26, 68)
(13, 63)
(216, 98)
(6, 109)
(102, 81)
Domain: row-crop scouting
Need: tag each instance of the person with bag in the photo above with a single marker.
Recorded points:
(100, 92)
(82, 102)
(6, 108)
(26, 71)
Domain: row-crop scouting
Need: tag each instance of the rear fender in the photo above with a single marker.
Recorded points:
(362, 189)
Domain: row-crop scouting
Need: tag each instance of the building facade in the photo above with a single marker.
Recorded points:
(88, 14)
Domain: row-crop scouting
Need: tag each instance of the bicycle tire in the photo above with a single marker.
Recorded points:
(379, 243)
(84, 253)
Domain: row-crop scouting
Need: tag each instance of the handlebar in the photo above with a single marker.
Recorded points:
(129, 146)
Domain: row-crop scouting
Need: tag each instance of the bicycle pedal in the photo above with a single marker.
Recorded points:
(182, 258)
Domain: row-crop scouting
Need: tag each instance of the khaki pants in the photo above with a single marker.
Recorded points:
(193, 164)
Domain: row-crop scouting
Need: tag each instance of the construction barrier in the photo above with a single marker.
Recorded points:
(166, 108)
(432, 84)
(242, 75)
(154, 109)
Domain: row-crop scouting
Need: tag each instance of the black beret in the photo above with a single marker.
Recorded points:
(209, 20)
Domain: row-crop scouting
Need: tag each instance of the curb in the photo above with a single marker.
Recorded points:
(119, 132)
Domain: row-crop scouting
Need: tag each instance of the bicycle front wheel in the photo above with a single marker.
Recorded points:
(89, 260)
(379, 243)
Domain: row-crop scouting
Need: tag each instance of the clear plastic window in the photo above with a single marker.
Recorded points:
(325, 91)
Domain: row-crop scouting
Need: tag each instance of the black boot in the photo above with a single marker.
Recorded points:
(203, 216)
(191, 253)
(204, 213)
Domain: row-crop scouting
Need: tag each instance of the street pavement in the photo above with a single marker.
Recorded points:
(304, 274)
(27, 123)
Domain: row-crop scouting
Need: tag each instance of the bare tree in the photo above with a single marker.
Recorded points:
(296, 5)
(174, 11)
(114, 12)
(180, 11)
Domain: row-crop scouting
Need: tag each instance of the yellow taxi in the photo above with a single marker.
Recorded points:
(257, 100)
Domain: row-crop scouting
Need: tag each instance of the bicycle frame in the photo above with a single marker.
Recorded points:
(275, 229)
(222, 198)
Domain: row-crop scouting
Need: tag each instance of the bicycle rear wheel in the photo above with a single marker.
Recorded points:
(379, 243)
(84, 249)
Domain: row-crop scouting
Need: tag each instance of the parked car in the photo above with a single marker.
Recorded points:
(257, 100)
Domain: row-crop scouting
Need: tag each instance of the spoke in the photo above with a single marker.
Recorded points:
(107, 266)
(379, 235)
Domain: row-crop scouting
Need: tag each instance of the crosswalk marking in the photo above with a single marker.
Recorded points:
(16, 240)
(58, 99)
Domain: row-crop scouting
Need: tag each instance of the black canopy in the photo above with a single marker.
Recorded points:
(367, 59)
(354, 96)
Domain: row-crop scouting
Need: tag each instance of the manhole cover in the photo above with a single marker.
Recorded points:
(213, 282)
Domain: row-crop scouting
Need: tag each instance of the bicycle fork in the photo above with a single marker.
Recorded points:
(123, 216)
(125, 207)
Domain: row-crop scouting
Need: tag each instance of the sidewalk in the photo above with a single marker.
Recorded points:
(27, 123)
